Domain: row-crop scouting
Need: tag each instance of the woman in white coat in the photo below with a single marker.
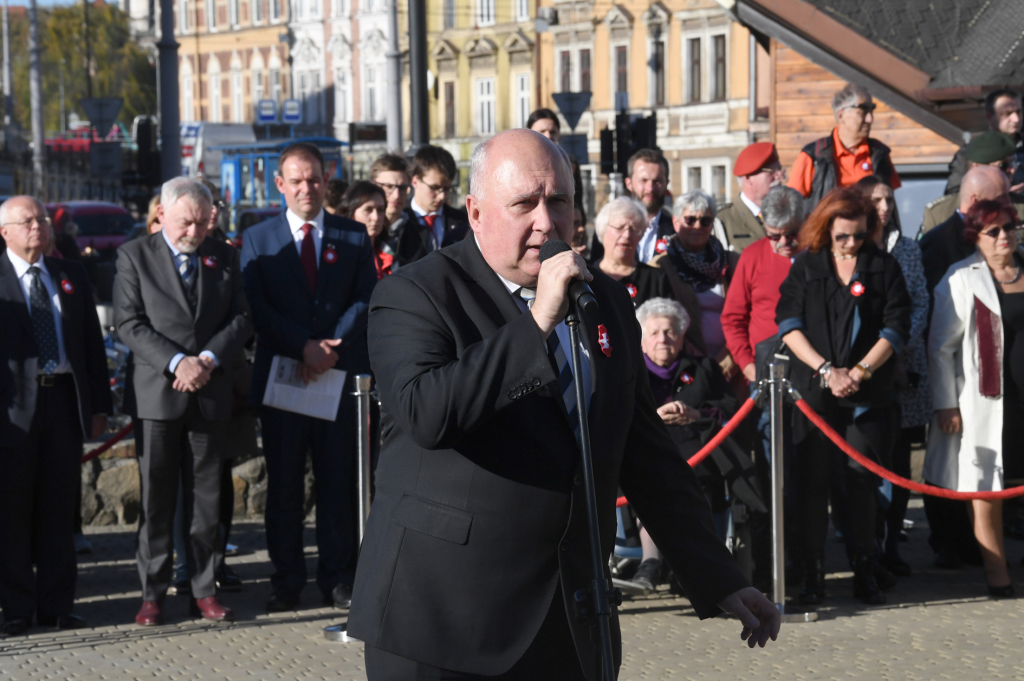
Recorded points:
(976, 364)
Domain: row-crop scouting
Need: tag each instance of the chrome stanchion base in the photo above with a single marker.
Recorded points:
(339, 633)
(795, 617)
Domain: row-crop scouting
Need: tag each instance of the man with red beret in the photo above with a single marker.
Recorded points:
(758, 170)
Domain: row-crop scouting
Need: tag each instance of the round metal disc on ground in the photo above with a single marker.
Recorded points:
(339, 633)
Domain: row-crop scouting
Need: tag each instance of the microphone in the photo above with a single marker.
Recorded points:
(580, 293)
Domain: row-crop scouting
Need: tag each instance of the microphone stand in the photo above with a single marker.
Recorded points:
(595, 601)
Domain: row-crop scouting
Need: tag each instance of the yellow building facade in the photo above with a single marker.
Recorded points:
(684, 61)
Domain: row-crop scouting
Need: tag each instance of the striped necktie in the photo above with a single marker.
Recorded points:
(186, 269)
(566, 385)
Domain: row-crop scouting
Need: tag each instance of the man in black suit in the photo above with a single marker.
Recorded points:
(429, 223)
(55, 391)
(477, 540)
(309, 276)
(180, 307)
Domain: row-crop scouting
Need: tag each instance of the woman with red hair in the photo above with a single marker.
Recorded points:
(843, 312)
(976, 361)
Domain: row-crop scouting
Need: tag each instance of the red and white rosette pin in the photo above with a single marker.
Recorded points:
(632, 290)
(330, 254)
(687, 379)
(857, 289)
(661, 245)
(210, 261)
(68, 287)
(603, 341)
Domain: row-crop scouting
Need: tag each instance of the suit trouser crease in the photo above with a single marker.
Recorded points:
(189, 449)
(287, 439)
(37, 504)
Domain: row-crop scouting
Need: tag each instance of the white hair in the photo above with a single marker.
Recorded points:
(478, 161)
(848, 97)
(664, 307)
(5, 207)
(622, 206)
(194, 190)
(697, 199)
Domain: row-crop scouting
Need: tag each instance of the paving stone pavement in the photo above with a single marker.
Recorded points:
(937, 625)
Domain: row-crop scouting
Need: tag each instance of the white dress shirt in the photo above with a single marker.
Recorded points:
(645, 249)
(751, 206)
(194, 257)
(21, 268)
(295, 223)
(438, 228)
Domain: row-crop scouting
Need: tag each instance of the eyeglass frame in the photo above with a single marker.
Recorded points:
(388, 187)
(45, 220)
(865, 107)
(1008, 228)
(690, 220)
(856, 236)
(792, 235)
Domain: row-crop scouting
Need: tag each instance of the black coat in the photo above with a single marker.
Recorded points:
(83, 346)
(411, 239)
(479, 511)
(647, 282)
(885, 304)
(941, 247)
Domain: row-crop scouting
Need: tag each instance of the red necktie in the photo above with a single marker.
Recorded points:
(430, 219)
(309, 256)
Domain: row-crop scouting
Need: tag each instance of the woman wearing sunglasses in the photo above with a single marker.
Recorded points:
(843, 311)
(700, 270)
(976, 358)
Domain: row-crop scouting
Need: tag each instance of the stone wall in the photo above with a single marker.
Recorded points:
(110, 486)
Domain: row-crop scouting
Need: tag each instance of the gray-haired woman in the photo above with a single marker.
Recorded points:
(700, 269)
(618, 227)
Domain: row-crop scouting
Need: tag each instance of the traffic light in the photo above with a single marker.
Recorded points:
(630, 134)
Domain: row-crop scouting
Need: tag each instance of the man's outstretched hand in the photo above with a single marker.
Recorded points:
(761, 619)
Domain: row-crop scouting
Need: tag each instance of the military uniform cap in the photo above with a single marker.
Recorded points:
(758, 155)
(989, 147)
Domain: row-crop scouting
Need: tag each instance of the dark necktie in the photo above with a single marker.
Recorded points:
(309, 256)
(186, 269)
(760, 220)
(42, 323)
(566, 386)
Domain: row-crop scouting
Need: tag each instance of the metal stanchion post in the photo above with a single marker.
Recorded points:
(776, 387)
(364, 445)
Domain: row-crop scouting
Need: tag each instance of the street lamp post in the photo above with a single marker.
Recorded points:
(35, 81)
(170, 142)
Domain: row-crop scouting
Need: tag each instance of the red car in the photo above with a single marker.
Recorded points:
(101, 226)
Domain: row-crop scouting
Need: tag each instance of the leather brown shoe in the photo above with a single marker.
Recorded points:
(150, 614)
(210, 608)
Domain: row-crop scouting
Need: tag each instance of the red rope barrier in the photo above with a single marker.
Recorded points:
(705, 451)
(892, 477)
(120, 435)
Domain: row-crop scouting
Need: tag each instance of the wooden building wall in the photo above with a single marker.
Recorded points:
(801, 112)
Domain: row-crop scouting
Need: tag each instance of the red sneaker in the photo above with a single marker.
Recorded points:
(150, 614)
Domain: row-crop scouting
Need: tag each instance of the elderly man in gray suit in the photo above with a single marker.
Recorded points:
(179, 306)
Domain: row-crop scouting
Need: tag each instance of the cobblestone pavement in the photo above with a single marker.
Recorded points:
(938, 625)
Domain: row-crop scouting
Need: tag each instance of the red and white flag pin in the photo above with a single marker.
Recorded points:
(330, 254)
(602, 339)
(686, 378)
(68, 287)
(857, 289)
(632, 290)
(661, 245)
(210, 261)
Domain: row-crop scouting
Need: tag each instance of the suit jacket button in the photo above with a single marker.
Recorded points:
(536, 383)
(511, 394)
(577, 479)
(565, 546)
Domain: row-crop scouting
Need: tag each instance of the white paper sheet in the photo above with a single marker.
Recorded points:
(285, 390)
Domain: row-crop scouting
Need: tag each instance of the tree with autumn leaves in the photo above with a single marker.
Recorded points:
(119, 67)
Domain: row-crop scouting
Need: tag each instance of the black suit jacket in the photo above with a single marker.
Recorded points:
(941, 247)
(154, 319)
(83, 346)
(479, 508)
(412, 238)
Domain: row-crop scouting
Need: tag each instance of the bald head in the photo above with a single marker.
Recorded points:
(521, 195)
(983, 183)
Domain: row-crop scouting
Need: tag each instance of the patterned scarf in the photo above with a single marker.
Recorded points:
(702, 270)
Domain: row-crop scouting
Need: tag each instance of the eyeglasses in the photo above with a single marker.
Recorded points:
(785, 235)
(438, 189)
(856, 236)
(866, 107)
(691, 220)
(26, 223)
(626, 227)
(1010, 229)
(388, 188)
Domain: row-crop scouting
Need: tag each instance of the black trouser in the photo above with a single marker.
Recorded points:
(37, 506)
(163, 460)
(871, 434)
(287, 439)
(897, 510)
(552, 655)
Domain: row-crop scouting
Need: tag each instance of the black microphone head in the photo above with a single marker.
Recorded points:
(552, 247)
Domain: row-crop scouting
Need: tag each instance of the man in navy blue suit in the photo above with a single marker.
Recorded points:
(308, 276)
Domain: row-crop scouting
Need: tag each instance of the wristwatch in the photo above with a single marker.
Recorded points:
(865, 370)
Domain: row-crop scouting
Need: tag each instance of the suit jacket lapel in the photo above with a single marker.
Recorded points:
(10, 289)
(163, 269)
(207, 275)
(505, 309)
(57, 276)
(751, 221)
(325, 270)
